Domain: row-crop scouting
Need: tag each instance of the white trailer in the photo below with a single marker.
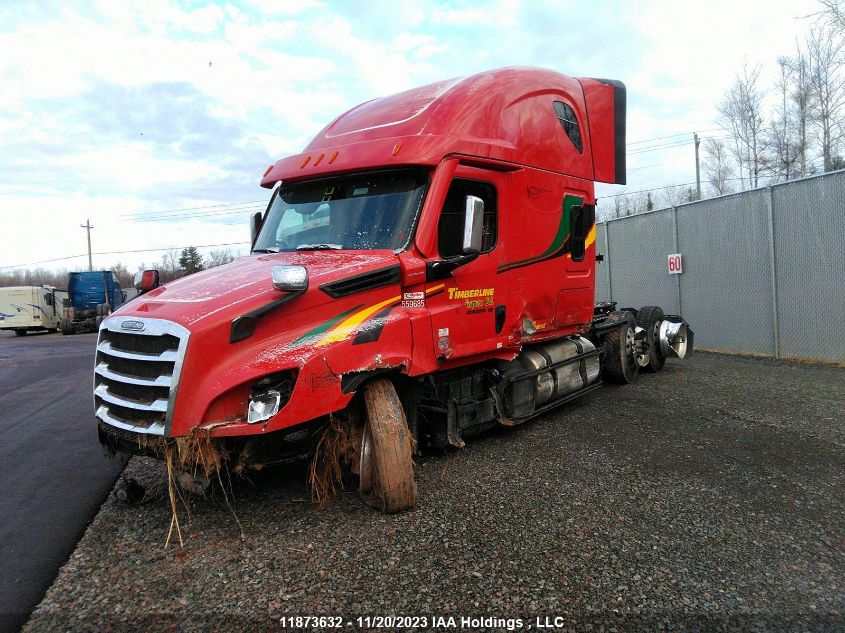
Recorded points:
(31, 308)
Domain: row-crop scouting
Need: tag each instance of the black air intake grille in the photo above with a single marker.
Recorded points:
(362, 282)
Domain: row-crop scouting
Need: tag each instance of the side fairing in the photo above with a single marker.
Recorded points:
(605, 101)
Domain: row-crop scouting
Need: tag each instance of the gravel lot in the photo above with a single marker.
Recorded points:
(709, 496)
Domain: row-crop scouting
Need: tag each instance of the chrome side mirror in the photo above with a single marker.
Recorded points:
(473, 225)
(290, 278)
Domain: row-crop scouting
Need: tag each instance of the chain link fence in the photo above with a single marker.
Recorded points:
(763, 271)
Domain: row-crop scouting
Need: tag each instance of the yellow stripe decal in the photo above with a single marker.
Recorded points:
(346, 327)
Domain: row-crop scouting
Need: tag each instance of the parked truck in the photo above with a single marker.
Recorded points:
(93, 296)
(424, 271)
(26, 309)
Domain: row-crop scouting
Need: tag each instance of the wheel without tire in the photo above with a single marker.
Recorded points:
(129, 491)
(387, 466)
(649, 318)
(620, 364)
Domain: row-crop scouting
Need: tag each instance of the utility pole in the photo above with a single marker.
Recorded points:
(697, 170)
(87, 226)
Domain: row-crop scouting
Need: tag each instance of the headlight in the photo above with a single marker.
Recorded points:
(263, 406)
(270, 394)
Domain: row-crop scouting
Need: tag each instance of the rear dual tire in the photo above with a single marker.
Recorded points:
(649, 318)
(620, 364)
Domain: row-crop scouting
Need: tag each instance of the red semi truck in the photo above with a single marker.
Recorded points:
(424, 271)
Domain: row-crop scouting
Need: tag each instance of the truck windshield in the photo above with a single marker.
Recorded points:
(368, 211)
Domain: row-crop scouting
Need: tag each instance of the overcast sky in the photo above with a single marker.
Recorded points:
(126, 112)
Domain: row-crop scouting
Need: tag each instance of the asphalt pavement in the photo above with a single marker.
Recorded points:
(53, 475)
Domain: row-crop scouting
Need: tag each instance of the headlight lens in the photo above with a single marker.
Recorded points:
(263, 406)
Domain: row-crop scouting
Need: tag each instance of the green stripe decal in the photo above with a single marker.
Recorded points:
(325, 326)
(559, 240)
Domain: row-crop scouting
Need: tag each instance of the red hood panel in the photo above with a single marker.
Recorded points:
(234, 289)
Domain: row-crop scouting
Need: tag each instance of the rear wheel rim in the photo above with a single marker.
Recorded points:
(655, 338)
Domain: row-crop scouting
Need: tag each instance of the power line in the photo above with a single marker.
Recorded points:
(140, 250)
(44, 261)
(645, 150)
(633, 193)
(172, 248)
(680, 143)
(208, 206)
(195, 215)
(676, 143)
(660, 138)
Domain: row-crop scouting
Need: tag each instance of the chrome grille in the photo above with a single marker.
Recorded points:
(137, 373)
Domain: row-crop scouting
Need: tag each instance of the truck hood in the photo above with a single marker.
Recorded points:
(204, 299)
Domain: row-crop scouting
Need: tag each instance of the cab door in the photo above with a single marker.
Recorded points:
(467, 307)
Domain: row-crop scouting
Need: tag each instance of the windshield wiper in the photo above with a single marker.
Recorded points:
(319, 247)
(265, 250)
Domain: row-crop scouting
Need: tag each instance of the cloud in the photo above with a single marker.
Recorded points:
(120, 106)
(135, 137)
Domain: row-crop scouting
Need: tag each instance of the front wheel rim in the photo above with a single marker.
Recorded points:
(366, 475)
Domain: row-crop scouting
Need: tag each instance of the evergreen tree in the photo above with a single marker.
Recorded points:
(191, 260)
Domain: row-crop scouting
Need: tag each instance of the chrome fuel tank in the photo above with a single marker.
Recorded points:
(558, 381)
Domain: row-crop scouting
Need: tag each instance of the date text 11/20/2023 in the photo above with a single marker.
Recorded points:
(421, 622)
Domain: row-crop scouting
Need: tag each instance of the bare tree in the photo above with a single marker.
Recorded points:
(123, 275)
(34, 277)
(783, 135)
(218, 257)
(827, 81)
(168, 266)
(678, 195)
(717, 166)
(801, 98)
(635, 202)
(619, 204)
(742, 115)
(833, 14)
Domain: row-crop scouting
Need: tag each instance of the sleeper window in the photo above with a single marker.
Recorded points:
(569, 122)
